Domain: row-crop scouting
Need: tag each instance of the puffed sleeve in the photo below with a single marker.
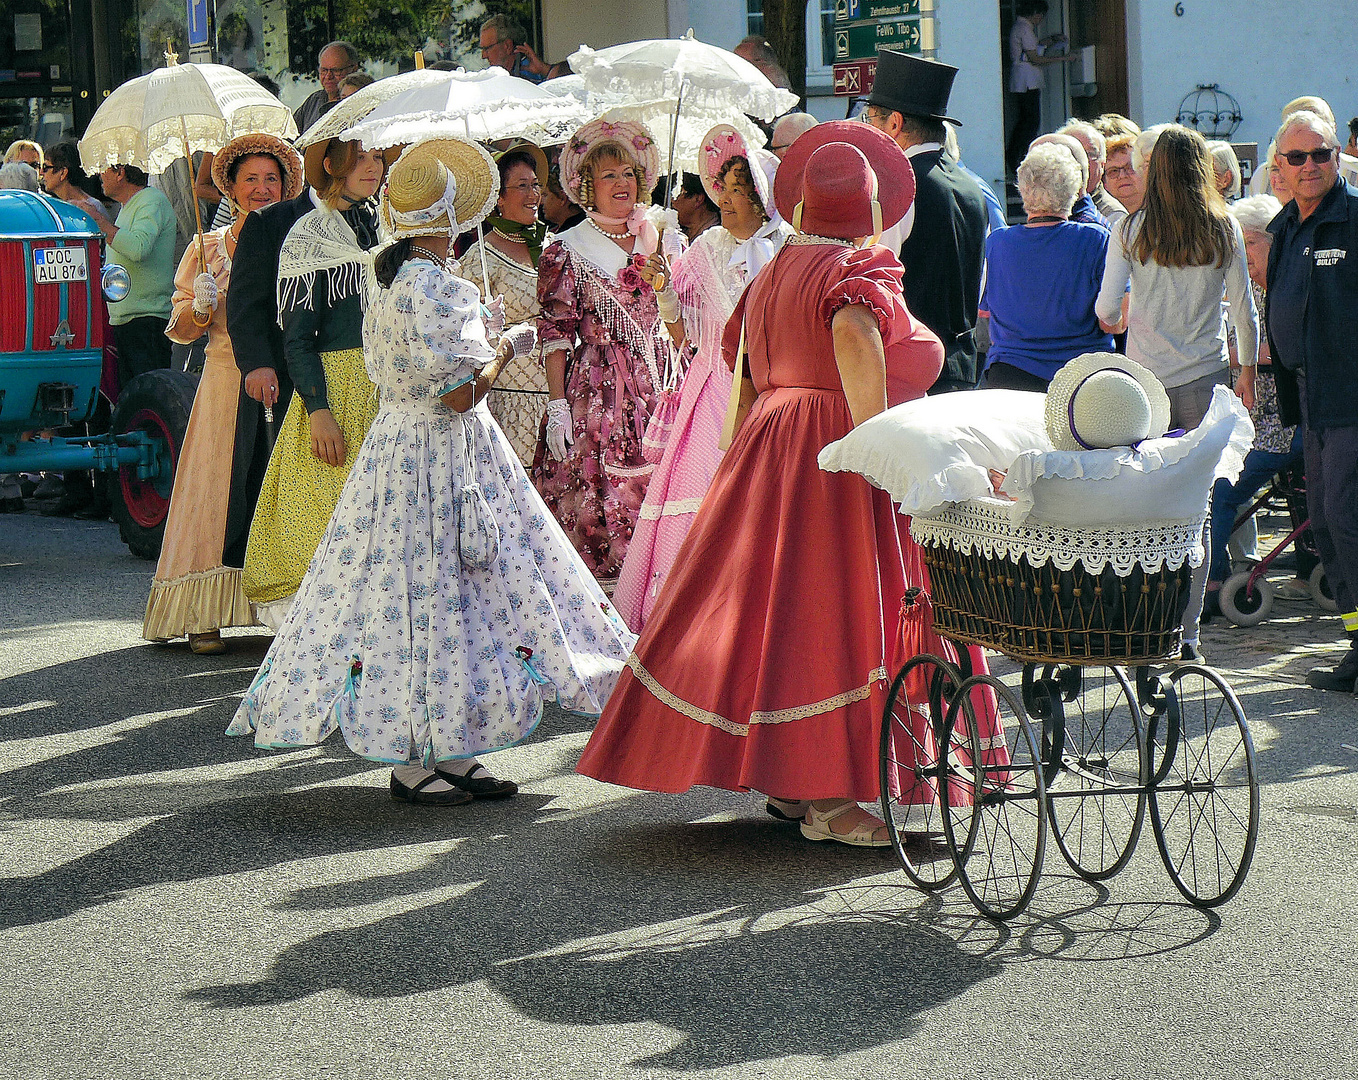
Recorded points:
(559, 320)
(730, 338)
(448, 338)
(871, 277)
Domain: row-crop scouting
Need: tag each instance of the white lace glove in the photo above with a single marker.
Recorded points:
(668, 303)
(204, 294)
(521, 338)
(494, 314)
(558, 428)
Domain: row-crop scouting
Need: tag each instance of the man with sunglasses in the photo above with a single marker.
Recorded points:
(1312, 315)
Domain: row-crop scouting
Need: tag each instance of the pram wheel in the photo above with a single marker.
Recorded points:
(1241, 604)
(1096, 722)
(1006, 820)
(1204, 797)
(1320, 589)
(914, 771)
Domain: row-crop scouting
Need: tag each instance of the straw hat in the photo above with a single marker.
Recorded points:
(523, 146)
(633, 135)
(254, 143)
(723, 143)
(859, 183)
(1102, 400)
(439, 187)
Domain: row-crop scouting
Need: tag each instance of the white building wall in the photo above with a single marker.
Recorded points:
(1263, 54)
(969, 39)
(568, 24)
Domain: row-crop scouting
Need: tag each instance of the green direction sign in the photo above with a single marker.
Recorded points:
(861, 41)
(848, 11)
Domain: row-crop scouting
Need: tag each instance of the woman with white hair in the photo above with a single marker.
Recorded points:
(1226, 168)
(1042, 278)
(18, 175)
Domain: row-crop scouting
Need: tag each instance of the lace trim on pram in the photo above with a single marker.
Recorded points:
(985, 527)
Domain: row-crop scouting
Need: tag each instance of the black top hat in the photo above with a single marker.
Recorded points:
(913, 86)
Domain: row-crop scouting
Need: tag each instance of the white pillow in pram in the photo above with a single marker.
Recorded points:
(1166, 479)
(937, 450)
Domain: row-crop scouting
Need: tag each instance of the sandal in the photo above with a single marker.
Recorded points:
(418, 794)
(209, 644)
(787, 809)
(483, 786)
(863, 834)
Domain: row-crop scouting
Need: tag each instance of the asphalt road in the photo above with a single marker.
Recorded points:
(174, 903)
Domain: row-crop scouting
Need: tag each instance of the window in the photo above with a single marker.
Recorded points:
(754, 17)
(820, 47)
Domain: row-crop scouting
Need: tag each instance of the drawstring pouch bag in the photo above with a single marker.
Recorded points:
(478, 535)
(658, 427)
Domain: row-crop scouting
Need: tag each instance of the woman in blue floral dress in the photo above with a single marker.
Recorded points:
(444, 604)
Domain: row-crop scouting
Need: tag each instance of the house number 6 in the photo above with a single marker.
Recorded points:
(1179, 10)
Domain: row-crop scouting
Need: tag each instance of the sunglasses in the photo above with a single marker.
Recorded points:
(1297, 158)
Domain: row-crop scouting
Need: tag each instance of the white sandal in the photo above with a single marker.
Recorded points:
(817, 826)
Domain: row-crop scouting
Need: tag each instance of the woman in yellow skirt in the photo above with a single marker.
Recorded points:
(324, 274)
(197, 588)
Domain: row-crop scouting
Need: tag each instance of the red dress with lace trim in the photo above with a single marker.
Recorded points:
(765, 663)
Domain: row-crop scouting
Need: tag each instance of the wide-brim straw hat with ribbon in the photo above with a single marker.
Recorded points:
(255, 143)
(720, 145)
(632, 135)
(1101, 400)
(861, 182)
(533, 150)
(439, 187)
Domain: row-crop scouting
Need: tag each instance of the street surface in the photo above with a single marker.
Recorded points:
(174, 903)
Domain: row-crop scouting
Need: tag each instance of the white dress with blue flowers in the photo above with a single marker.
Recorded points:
(391, 638)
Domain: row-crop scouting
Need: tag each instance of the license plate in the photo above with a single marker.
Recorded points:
(55, 265)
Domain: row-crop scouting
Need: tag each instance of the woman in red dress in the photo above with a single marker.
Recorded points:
(765, 664)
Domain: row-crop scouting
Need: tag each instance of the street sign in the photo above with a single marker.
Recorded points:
(847, 11)
(200, 33)
(854, 79)
(860, 41)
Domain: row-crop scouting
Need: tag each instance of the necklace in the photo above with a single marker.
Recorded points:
(612, 236)
(801, 239)
(516, 239)
(415, 249)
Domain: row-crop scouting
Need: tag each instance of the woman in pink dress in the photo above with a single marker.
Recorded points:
(766, 661)
(708, 280)
(602, 343)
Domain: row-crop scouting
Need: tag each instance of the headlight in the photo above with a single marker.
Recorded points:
(115, 282)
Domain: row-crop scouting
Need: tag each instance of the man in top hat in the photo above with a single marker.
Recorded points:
(944, 250)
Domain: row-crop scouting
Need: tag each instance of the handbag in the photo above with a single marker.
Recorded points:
(478, 534)
(658, 427)
(734, 412)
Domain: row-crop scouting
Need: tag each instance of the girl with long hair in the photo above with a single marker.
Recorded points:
(1180, 253)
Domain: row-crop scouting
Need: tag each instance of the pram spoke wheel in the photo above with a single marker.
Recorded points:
(1097, 775)
(1006, 815)
(1204, 798)
(1243, 605)
(914, 768)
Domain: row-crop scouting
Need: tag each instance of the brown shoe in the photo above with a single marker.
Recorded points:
(209, 644)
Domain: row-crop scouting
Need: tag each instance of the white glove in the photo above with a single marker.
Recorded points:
(204, 293)
(521, 338)
(558, 428)
(495, 317)
(668, 303)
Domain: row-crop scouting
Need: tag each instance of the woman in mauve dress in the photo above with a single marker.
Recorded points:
(765, 664)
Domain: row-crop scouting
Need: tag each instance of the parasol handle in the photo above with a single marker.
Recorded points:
(674, 133)
(197, 213)
(480, 236)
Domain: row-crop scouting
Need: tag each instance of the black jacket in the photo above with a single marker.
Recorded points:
(1330, 322)
(943, 257)
(252, 299)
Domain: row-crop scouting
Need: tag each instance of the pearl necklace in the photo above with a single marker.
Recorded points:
(506, 236)
(612, 236)
(804, 239)
(415, 249)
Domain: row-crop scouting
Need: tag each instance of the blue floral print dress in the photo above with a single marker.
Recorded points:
(413, 655)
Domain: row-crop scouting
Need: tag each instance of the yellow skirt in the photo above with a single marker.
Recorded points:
(300, 491)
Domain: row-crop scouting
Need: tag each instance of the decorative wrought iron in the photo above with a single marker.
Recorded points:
(1210, 111)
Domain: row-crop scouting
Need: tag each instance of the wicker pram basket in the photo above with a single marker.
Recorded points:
(1048, 593)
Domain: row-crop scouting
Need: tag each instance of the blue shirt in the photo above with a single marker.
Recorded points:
(1085, 211)
(993, 207)
(1041, 283)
